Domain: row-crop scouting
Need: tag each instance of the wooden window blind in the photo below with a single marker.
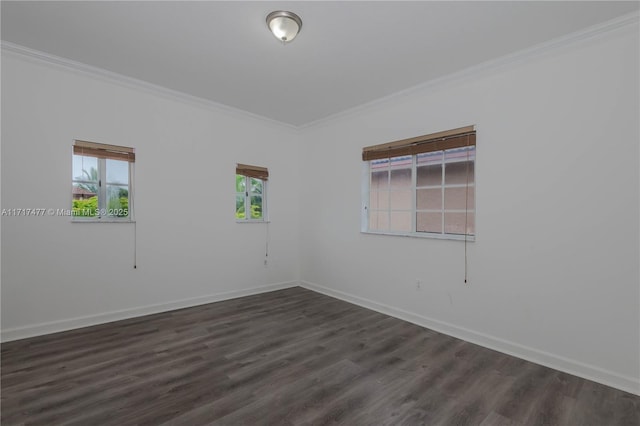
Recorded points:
(100, 150)
(455, 138)
(252, 171)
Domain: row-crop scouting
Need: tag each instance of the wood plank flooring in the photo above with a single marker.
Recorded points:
(290, 357)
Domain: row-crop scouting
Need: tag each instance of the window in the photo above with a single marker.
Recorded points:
(423, 186)
(251, 193)
(102, 183)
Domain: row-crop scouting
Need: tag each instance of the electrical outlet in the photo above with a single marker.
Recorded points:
(418, 285)
(265, 262)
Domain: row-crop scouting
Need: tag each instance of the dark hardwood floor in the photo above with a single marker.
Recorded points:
(290, 357)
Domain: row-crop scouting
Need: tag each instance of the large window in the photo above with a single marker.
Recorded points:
(102, 182)
(251, 193)
(422, 186)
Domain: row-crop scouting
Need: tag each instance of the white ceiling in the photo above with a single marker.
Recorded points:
(347, 54)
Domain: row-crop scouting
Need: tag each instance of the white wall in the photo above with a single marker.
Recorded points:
(553, 275)
(57, 274)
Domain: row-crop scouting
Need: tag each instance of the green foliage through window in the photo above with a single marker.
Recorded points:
(254, 197)
(85, 208)
(100, 187)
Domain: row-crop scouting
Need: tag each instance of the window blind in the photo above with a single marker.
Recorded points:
(100, 150)
(252, 171)
(455, 138)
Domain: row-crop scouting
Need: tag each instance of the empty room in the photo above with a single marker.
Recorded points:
(309, 212)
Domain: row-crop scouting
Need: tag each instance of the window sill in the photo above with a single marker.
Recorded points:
(253, 221)
(102, 221)
(469, 238)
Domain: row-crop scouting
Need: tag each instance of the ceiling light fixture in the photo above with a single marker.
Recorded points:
(285, 26)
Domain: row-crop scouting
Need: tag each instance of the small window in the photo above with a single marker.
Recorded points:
(251, 193)
(102, 183)
(423, 186)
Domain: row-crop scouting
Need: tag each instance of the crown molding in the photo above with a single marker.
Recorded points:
(132, 83)
(592, 33)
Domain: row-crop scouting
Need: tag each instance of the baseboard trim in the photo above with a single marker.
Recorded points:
(576, 368)
(87, 321)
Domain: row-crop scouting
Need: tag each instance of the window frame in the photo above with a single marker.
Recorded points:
(102, 183)
(413, 148)
(258, 173)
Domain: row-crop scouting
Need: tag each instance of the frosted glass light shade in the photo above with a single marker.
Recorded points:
(285, 26)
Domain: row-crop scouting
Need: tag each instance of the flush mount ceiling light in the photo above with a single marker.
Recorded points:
(284, 25)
